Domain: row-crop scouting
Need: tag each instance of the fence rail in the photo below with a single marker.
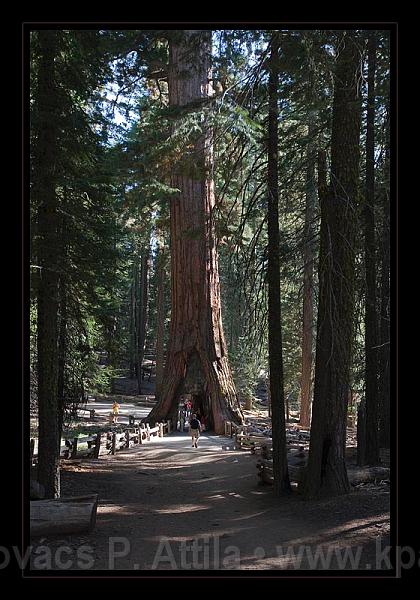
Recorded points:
(108, 442)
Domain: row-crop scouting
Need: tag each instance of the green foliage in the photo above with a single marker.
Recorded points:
(101, 382)
(247, 368)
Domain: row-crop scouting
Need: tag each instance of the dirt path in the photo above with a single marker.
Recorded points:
(174, 507)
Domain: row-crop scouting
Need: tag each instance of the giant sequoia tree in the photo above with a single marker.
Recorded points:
(326, 471)
(197, 361)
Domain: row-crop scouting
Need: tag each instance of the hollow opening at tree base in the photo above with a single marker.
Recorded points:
(209, 386)
(200, 406)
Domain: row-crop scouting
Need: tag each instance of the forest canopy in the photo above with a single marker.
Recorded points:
(217, 201)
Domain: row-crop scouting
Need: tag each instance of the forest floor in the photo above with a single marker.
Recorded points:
(167, 506)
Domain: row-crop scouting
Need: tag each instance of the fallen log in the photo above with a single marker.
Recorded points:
(367, 475)
(63, 515)
(356, 476)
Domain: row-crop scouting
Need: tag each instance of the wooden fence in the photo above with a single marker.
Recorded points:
(243, 438)
(108, 442)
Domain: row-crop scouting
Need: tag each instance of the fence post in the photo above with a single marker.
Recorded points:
(160, 429)
(127, 438)
(74, 448)
(169, 425)
(32, 450)
(148, 432)
(141, 429)
(97, 445)
(114, 442)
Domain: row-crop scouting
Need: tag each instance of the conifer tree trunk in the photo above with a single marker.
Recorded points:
(62, 350)
(133, 322)
(326, 471)
(371, 316)
(384, 328)
(309, 245)
(235, 311)
(44, 195)
(275, 349)
(160, 317)
(142, 308)
(197, 361)
(308, 277)
(63, 318)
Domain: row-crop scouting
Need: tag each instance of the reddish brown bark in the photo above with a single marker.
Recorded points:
(197, 361)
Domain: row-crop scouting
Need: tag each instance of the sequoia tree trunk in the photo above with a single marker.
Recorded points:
(45, 197)
(197, 361)
(326, 471)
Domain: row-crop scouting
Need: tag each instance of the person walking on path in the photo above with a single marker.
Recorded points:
(115, 411)
(195, 428)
